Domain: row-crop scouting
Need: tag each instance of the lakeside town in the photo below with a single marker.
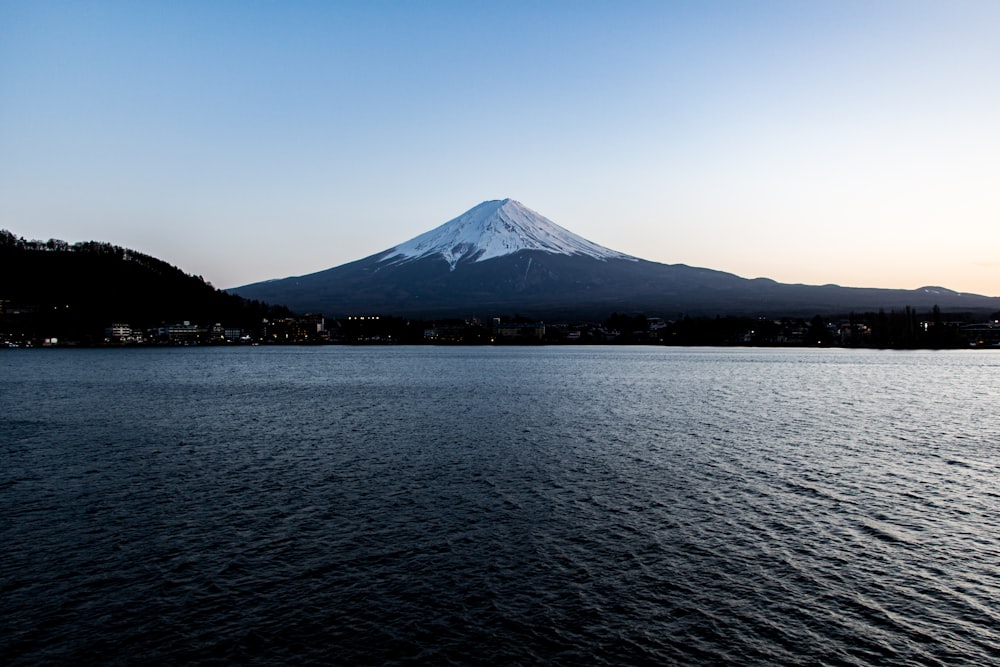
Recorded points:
(895, 329)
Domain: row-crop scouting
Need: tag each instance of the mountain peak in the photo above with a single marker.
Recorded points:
(493, 229)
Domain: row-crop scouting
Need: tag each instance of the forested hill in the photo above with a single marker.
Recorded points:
(76, 290)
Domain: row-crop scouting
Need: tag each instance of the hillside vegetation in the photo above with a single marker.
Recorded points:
(74, 291)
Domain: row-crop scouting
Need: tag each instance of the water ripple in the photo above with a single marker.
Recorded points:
(498, 506)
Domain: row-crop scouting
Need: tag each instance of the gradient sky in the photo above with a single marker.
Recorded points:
(848, 142)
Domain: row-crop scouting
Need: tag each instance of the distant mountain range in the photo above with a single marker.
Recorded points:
(502, 258)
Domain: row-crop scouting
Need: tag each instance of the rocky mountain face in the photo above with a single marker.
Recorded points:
(500, 257)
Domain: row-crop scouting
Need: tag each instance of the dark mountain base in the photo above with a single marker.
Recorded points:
(547, 286)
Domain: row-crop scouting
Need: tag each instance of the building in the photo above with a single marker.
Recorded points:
(986, 334)
(181, 334)
(517, 331)
(120, 332)
(307, 329)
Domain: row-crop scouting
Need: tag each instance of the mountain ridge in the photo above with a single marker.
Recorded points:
(502, 257)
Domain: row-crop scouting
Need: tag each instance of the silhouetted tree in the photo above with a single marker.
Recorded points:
(818, 333)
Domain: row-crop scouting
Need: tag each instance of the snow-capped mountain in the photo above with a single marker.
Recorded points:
(494, 229)
(502, 258)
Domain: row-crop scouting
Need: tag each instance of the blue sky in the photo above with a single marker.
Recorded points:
(842, 142)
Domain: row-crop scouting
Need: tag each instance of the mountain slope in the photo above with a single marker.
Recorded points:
(78, 290)
(501, 257)
(495, 229)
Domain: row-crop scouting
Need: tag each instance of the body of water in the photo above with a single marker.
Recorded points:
(550, 505)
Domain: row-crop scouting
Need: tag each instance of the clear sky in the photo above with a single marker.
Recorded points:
(849, 142)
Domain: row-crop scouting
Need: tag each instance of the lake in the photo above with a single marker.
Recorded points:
(498, 505)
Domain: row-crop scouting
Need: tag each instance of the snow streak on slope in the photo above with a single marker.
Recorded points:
(494, 229)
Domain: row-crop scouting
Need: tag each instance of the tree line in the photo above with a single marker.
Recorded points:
(54, 289)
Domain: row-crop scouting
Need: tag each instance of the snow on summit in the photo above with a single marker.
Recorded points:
(494, 229)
